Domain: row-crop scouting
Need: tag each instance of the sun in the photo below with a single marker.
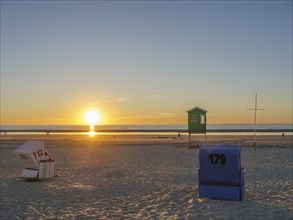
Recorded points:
(92, 117)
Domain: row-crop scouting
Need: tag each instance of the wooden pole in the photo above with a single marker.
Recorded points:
(255, 108)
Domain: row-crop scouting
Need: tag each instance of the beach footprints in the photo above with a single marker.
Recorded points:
(173, 202)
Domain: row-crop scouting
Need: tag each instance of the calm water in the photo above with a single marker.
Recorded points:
(143, 127)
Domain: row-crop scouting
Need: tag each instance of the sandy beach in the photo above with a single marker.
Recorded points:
(143, 177)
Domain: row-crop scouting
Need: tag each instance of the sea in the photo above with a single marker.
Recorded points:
(21, 129)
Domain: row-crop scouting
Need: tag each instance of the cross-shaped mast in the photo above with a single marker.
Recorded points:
(255, 110)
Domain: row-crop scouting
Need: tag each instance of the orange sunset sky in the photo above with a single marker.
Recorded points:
(145, 62)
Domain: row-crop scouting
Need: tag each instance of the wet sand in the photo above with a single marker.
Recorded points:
(143, 177)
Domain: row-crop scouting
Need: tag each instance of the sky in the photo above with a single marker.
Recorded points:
(145, 62)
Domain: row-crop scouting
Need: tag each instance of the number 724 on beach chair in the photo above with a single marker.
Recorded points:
(220, 172)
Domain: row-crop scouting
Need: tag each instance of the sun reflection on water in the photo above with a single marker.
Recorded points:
(92, 117)
(92, 133)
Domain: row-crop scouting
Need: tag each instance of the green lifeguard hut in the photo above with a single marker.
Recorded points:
(197, 121)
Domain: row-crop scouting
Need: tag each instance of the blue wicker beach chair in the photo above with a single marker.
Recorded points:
(220, 173)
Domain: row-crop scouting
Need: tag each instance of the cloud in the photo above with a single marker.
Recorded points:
(122, 99)
(51, 120)
(137, 117)
(154, 116)
(167, 114)
(91, 103)
(153, 97)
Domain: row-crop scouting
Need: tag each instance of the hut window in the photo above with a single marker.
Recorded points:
(202, 119)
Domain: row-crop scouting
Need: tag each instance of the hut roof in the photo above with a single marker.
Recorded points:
(197, 108)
